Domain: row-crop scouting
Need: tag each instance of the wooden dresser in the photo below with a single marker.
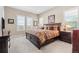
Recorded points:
(75, 41)
(4, 44)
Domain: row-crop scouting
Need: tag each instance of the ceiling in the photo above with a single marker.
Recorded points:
(34, 9)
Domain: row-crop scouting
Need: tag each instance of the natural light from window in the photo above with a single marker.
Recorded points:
(29, 21)
(20, 23)
(71, 18)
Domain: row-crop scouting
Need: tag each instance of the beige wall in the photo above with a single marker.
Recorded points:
(1, 15)
(12, 13)
(58, 12)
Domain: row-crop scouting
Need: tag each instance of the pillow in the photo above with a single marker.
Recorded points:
(55, 27)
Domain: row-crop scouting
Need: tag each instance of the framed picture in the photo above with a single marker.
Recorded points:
(10, 21)
(51, 19)
(35, 23)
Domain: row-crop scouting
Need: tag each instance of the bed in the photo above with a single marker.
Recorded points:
(41, 37)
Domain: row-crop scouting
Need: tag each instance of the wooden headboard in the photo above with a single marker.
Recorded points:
(51, 26)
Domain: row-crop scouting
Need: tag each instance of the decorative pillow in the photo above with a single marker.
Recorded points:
(55, 27)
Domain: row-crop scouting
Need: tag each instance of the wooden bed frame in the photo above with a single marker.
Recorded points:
(35, 40)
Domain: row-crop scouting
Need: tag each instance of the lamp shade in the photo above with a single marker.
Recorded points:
(68, 26)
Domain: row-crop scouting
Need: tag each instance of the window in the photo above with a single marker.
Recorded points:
(20, 23)
(71, 18)
(41, 22)
(24, 22)
(29, 21)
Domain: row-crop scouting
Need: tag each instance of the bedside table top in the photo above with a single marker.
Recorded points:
(65, 31)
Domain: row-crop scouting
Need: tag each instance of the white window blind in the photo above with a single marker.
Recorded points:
(71, 18)
(29, 21)
(71, 15)
(20, 23)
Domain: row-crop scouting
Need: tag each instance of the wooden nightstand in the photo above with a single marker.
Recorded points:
(65, 36)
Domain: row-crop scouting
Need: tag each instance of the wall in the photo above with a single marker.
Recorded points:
(1, 15)
(12, 13)
(58, 12)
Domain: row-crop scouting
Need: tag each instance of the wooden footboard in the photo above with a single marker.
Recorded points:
(33, 39)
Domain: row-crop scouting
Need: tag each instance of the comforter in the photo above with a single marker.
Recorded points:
(44, 35)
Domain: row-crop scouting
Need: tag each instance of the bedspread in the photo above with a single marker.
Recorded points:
(44, 35)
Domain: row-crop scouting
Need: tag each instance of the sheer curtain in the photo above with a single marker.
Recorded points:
(71, 18)
(24, 22)
(20, 23)
(29, 22)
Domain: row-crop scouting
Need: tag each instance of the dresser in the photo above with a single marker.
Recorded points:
(75, 41)
(65, 36)
(4, 44)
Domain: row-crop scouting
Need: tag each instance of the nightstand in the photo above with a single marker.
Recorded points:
(65, 36)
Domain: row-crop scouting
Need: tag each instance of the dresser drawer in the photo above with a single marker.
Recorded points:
(65, 36)
(4, 44)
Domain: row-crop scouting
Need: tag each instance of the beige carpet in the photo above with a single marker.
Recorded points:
(20, 44)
